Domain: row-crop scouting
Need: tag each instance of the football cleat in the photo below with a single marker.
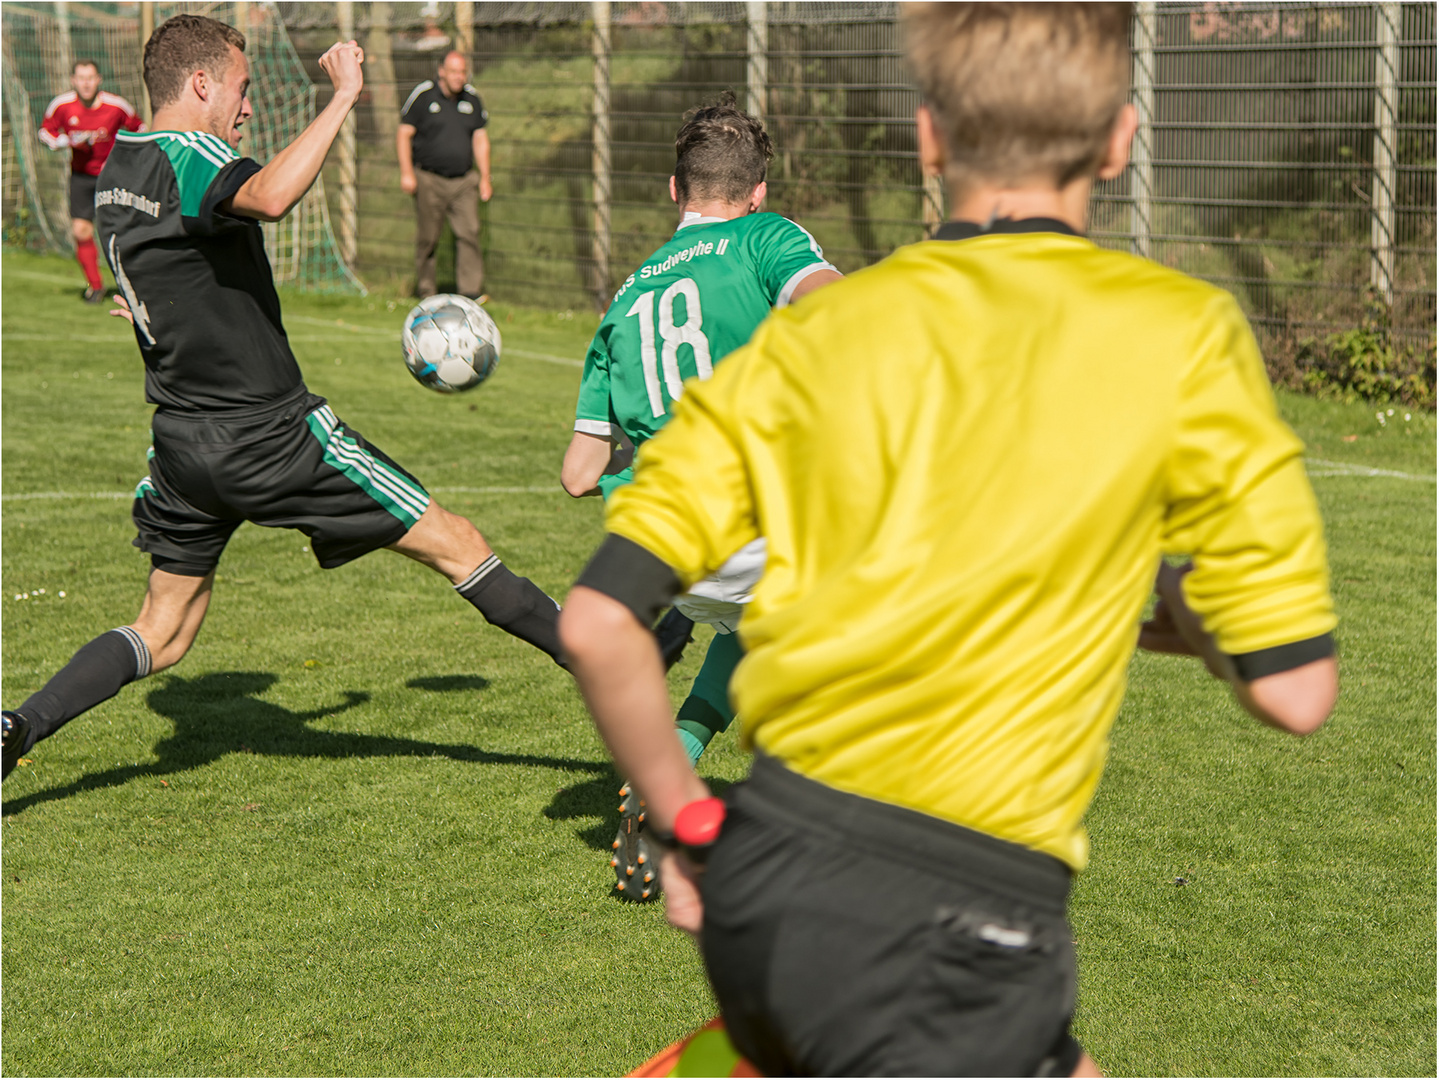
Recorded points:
(673, 633)
(633, 860)
(16, 735)
(93, 296)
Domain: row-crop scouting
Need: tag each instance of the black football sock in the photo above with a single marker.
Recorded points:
(94, 674)
(515, 604)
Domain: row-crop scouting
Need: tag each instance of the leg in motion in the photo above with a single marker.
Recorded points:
(464, 217)
(452, 546)
(429, 222)
(88, 256)
(169, 619)
(707, 712)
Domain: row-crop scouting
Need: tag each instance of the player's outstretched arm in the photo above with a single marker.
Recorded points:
(1298, 700)
(273, 191)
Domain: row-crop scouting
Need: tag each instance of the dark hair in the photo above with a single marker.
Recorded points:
(181, 46)
(720, 153)
(78, 64)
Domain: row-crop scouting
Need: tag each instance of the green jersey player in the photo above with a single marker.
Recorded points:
(694, 301)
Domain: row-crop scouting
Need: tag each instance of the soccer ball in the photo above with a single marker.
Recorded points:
(450, 343)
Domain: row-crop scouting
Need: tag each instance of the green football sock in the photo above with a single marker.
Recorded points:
(706, 712)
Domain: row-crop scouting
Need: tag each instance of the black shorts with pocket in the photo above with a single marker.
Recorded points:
(291, 464)
(849, 937)
(82, 196)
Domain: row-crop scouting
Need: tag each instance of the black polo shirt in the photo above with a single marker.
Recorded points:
(443, 128)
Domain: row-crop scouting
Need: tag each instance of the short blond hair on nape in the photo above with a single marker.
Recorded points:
(1021, 93)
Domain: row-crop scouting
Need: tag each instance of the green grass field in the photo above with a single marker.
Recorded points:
(358, 831)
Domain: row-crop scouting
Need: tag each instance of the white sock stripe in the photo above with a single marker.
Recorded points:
(480, 572)
(141, 650)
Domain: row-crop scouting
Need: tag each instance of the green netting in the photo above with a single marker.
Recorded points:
(40, 43)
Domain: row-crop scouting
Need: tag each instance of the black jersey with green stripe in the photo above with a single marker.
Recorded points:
(207, 317)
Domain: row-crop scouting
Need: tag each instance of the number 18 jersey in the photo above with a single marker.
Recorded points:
(693, 302)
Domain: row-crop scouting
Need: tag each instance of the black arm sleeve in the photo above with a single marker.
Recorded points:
(626, 572)
(230, 179)
(1256, 665)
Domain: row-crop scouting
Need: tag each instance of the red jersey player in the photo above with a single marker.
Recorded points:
(86, 120)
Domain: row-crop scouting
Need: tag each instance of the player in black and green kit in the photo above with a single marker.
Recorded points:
(237, 436)
(694, 301)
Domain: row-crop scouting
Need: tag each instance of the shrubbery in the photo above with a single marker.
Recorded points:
(1366, 362)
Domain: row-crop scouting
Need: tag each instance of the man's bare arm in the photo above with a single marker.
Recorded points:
(480, 144)
(814, 281)
(404, 150)
(617, 664)
(588, 458)
(585, 462)
(273, 191)
(1297, 701)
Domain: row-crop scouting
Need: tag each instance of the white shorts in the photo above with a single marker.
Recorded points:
(719, 599)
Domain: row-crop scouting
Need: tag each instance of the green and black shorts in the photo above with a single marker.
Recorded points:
(291, 464)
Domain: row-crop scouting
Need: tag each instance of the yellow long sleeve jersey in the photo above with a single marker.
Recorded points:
(967, 461)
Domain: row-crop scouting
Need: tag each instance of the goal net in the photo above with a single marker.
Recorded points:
(41, 43)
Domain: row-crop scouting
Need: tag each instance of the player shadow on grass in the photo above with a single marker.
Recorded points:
(599, 797)
(221, 713)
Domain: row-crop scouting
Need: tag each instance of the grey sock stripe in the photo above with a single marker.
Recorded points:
(142, 651)
(479, 574)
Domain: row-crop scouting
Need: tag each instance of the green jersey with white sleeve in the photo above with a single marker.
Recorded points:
(689, 305)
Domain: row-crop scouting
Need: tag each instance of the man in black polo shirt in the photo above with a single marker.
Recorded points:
(444, 154)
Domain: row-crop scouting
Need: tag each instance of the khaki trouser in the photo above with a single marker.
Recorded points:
(437, 198)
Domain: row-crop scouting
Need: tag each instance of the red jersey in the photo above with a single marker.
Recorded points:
(89, 133)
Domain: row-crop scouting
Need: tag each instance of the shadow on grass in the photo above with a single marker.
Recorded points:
(599, 797)
(448, 684)
(219, 714)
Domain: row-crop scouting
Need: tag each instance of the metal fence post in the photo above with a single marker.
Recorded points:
(600, 156)
(67, 54)
(349, 237)
(1386, 77)
(757, 47)
(147, 28)
(1142, 155)
(465, 26)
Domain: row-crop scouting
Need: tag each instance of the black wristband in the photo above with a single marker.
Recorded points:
(1255, 665)
(626, 572)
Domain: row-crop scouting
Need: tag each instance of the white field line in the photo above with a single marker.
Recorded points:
(1320, 467)
(1326, 468)
(372, 331)
(53, 279)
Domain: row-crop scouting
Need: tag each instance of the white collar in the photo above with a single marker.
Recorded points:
(691, 218)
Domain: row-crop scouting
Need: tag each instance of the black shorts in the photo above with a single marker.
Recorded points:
(291, 465)
(848, 937)
(82, 196)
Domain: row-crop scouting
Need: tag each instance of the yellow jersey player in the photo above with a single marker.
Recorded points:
(968, 462)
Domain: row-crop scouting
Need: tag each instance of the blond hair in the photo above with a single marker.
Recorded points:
(1021, 93)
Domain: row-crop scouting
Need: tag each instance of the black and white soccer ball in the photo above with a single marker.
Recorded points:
(450, 343)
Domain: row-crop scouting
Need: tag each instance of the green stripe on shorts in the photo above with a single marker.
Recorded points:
(399, 495)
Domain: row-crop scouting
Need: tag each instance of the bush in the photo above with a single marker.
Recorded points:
(1366, 362)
